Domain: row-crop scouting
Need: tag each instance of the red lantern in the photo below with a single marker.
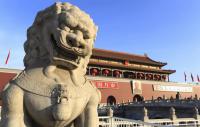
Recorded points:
(106, 72)
(116, 73)
(150, 75)
(157, 77)
(139, 75)
(164, 77)
(94, 71)
(142, 75)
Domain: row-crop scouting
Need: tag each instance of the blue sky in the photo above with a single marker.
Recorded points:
(167, 30)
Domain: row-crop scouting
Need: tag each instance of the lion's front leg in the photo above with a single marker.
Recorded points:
(71, 125)
(12, 110)
(89, 118)
(79, 122)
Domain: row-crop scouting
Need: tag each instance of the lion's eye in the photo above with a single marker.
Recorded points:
(86, 36)
(64, 27)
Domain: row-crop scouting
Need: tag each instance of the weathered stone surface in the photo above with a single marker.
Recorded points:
(52, 91)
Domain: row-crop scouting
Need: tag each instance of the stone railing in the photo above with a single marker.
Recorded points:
(107, 121)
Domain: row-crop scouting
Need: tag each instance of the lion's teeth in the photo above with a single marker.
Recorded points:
(78, 60)
(77, 50)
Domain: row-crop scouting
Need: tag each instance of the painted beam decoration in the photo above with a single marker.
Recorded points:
(172, 88)
(106, 85)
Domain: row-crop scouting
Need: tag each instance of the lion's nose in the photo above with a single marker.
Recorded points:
(75, 40)
(72, 42)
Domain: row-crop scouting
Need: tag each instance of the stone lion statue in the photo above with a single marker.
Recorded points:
(52, 90)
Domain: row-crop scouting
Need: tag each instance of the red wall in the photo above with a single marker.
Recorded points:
(122, 93)
(5, 78)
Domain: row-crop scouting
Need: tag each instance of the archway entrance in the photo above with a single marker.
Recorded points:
(137, 98)
(111, 100)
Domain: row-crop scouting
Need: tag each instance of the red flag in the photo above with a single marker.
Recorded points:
(7, 57)
(185, 76)
(192, 77)
(198, 78)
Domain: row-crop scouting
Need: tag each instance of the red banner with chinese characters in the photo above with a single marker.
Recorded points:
(106, 85)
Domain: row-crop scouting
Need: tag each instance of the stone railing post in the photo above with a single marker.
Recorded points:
(110, 112)
(145, 114)
(110, 116)
(196, 113)
(173, 113)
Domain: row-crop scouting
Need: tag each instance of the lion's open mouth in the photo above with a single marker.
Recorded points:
(65, 57)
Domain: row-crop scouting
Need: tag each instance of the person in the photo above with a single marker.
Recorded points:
(178, 96)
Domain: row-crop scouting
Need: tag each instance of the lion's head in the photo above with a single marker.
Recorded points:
(61, 35)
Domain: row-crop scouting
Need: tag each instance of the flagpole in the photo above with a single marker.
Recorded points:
(185, 76)
(198, 78)
(192, 77)
(7, 58)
